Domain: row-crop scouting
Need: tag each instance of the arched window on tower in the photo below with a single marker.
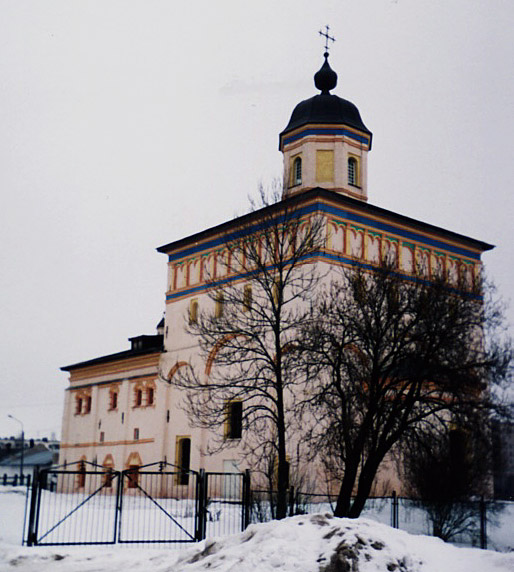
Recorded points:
(353, 174)
(297, 171)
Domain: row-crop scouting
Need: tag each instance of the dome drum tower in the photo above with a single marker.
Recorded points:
(326, 143)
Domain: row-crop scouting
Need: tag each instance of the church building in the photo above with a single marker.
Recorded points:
(121, 411)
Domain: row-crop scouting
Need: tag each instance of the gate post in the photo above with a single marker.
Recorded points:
(394, 510)
(246, 498)
(483, 524)
(118, 506)
(31, 532)
(201, 504)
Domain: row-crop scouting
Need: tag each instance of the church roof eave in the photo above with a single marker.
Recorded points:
(342, 200)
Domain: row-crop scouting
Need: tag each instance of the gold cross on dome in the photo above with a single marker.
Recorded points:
(327, 37)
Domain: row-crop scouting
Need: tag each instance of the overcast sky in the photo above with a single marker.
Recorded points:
(126, 125)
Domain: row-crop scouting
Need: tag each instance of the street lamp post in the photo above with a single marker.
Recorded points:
(22, 446)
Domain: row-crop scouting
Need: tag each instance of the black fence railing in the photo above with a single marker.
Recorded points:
(152, 504)
(15, 480)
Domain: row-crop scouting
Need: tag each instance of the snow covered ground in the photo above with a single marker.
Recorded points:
(317, 542)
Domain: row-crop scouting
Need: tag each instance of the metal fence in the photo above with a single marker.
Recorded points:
(464, 522)
(85, 503)
(152, 504)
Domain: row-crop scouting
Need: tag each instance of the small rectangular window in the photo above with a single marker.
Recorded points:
(276, 294)
(193, 311)
(78, 406)
(87, 407)
(102, 436)
(247, 298)
(183, 459)
(218, 309)
(234, 420)
(150, 396)
(136, 434)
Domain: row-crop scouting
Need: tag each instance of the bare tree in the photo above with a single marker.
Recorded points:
(248, 339)
(448, 472)
(393, 358)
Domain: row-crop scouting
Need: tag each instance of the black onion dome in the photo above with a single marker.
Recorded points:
(325, 78)
(325, 107)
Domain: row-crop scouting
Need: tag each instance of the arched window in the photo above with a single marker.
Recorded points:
(353, 178)
(297, 171)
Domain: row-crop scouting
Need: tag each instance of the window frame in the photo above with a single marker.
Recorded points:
(297, 173)
(353, 167)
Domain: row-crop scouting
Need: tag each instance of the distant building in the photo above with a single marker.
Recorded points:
(120, 411)
(10, 444)
(39, 456)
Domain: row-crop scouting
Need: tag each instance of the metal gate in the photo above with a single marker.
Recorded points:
(85, 503)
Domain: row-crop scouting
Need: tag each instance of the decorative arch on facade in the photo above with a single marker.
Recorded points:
(437, 264)
(175, 368)
(423, 261)
(216, 348)
(407, 257)
(356, 242)
(194, 270)
(374, 247)
(390, 252)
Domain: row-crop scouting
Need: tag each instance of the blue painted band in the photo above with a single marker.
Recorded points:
(326, 131)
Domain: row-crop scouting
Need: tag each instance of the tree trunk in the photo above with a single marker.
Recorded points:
(366, 478)
(344, 498)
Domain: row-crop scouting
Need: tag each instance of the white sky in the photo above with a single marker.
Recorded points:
(126, 125)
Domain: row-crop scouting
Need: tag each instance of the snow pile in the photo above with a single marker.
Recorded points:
(322, 543)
